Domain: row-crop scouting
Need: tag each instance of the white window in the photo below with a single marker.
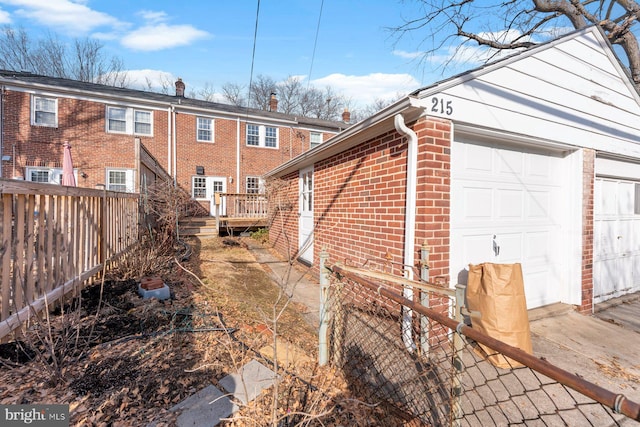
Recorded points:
(262, 136)
(44, 111)
(120, 180)
(199, 187)
(255, 185)
(43, 174)
(205, 129)
(130, 121)
(315, 139)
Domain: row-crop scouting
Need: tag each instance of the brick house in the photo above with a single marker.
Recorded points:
(532, 159)
(204, 146)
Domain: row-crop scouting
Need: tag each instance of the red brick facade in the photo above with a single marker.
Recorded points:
(360, 201)
(82, 121)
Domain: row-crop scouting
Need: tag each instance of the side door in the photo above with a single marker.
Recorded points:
(305, 213)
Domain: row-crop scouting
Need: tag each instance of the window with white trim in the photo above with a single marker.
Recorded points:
(120, 180)
(262, 136)
(255, 185)
(44, 174)
(199, 187)
(129, 120)
(315, 138)
(44, 111)
(204, 128)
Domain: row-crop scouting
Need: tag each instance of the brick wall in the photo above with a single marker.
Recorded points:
(360, 200)
(588, 181)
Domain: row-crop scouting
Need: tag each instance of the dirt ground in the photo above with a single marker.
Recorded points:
(118, 360)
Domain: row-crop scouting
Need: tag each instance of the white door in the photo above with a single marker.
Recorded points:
(616, 269)
(506, 207)
(305, 224)
(216, 185)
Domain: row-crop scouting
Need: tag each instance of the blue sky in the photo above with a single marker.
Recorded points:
(210, 42)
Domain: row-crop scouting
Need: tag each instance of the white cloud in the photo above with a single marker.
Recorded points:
(71, 16)
(366, 89)
(162, 36)
(5, 18)
(152, 16)
(408, 55)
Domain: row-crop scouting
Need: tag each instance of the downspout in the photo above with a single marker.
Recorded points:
(169, 136)
(174, 137)
(409, 224)
(238, 155)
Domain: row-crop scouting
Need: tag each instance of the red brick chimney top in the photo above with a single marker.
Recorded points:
(180, 86)
(346, 115)
(273, 102)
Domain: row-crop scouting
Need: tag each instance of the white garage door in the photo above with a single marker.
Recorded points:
(506, 207)
(616, 269)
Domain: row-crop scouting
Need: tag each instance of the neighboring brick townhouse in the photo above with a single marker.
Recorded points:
(205, 146)
(534, 159)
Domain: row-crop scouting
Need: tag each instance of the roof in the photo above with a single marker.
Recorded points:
(416, 103)
(27, 79)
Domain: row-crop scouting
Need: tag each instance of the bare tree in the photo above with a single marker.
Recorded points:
(260, 92)
(522, 24)
(289, 92)
(50, 56)
(207, 93)
(232, 93)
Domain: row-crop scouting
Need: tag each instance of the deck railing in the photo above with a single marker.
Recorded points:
(242, 205)
(53, 239)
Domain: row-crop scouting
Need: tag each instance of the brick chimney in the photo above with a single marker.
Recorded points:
(180, 88)
(273, 102)
(346, 115)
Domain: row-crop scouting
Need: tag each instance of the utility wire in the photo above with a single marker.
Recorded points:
(315, 43)
(253, 55)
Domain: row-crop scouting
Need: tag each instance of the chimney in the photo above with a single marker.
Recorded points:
(273, 102)
(346, 115)
(180, 88)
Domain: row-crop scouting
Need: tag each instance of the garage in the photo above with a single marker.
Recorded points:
(509, 205)
(616, 229)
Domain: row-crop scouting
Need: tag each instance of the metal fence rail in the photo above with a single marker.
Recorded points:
(447, 380)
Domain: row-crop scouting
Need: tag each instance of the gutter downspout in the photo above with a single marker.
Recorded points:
(409, 224)
(169, 136)
(174, 145)
(238, 155)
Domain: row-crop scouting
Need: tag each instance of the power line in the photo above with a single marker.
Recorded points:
(315, 43)
(253, 54)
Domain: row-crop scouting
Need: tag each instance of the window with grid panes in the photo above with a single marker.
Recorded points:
(117, 181)
(199, 187)
(205, 129)
(142, 122)
(45, 111)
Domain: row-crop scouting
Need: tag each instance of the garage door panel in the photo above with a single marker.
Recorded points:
(511, 202)
(539, 205)
(616, 239)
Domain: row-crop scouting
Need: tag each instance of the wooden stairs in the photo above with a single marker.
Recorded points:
(198, 226)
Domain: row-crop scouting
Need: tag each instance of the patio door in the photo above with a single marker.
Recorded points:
(305, 223)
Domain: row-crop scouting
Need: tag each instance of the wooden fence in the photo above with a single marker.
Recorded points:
(53, 239)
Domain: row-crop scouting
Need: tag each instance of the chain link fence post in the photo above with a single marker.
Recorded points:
(458, 345)
(324, 309)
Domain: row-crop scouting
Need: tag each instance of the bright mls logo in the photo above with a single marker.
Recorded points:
(36, 415)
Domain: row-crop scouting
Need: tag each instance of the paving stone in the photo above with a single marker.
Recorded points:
(249, 382)
(204, 408)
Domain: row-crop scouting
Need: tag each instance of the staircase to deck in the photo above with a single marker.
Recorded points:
(200, 226)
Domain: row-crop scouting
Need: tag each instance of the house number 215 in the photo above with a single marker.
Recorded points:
(439, 105)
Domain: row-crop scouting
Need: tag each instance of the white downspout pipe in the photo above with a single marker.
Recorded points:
(409, 224)
(174, 146)
(169, 133)
(238, 155)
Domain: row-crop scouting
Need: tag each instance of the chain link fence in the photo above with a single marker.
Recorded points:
(425, 368)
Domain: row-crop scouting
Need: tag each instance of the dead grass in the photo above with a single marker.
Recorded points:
(135, 359)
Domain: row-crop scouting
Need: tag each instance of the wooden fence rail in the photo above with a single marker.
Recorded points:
(53, 239)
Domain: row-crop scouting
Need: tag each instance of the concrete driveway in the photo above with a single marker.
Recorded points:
(603, 348)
